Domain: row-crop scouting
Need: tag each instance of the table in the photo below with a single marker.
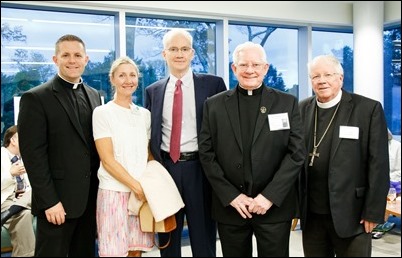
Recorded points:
(396, 210)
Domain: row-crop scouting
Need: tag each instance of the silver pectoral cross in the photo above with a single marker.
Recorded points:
(313, 155)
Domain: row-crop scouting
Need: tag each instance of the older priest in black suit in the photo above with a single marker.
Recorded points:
(251, 148)
(345, 181)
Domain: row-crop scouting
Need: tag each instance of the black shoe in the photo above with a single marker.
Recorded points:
(5, 215)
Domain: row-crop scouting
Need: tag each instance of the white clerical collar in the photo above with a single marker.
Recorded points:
(250, 92)
(330, 103)
(75, 84)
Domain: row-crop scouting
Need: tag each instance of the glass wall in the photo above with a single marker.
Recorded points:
(280, 45)
(144, 45)
(28, 39)
(29, 33)
(339, 44)
(392, 78)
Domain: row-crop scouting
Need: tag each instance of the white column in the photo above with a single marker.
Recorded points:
(305, 42)
(368, 60)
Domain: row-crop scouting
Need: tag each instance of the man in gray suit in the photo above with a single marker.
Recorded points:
(251, 148)
(184, 167)
(345, 181)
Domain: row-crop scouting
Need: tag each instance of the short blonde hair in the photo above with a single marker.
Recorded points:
(122, 60)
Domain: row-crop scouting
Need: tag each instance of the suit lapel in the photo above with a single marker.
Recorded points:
(158, 102)
(262, 118)
(232, 109)
(92, 98)
(199, 99)
(68, 107)
(344, 112)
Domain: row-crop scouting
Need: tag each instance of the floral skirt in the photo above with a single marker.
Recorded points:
(118, 232)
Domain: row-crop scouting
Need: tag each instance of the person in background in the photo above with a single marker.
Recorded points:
(16, 206)
(56, 141)
(394, 148)
(345, 181)
(251, 148)
(180, 156)
(121, 131)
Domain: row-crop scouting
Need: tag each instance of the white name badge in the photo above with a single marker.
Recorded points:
(349, 132)
(278, 121)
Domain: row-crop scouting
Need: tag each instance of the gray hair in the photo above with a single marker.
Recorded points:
(248, 45)
(328, 59)
(175, 32)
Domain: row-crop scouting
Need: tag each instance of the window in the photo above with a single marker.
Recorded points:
(28, 38)
(339, 44)
(392, 79)
(280, 45)
(144, 45)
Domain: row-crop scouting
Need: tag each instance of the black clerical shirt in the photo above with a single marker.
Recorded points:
(249, 106)
(318, 173)
(82, 108)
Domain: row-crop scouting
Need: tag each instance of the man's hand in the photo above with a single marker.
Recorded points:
(241, 203)
(260, 205)
(368, 225)
(56, 214)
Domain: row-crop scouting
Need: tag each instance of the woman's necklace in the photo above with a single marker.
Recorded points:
(315, 146)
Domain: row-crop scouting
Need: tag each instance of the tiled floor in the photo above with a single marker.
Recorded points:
(388, 246)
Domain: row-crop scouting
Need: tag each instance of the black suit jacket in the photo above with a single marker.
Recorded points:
(358, 176)
(205, 85)
(56, 154)
(276, 156)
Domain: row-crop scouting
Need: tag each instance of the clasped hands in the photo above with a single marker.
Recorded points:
(246, 205)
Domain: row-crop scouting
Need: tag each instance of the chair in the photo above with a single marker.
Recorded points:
(6, 246)
(5, 241)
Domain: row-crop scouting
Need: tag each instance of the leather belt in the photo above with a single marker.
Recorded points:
(184, 156)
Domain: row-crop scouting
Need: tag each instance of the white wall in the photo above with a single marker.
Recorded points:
(337, 13)
(333, 13)
(392, 12)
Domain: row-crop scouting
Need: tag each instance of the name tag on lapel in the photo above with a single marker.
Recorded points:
(349, 132)
(278, 121)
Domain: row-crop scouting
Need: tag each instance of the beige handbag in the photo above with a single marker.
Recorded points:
(148, 223)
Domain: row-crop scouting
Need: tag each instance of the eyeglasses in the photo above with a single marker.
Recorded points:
(326, 77)
(255, 67)
(184, 50)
